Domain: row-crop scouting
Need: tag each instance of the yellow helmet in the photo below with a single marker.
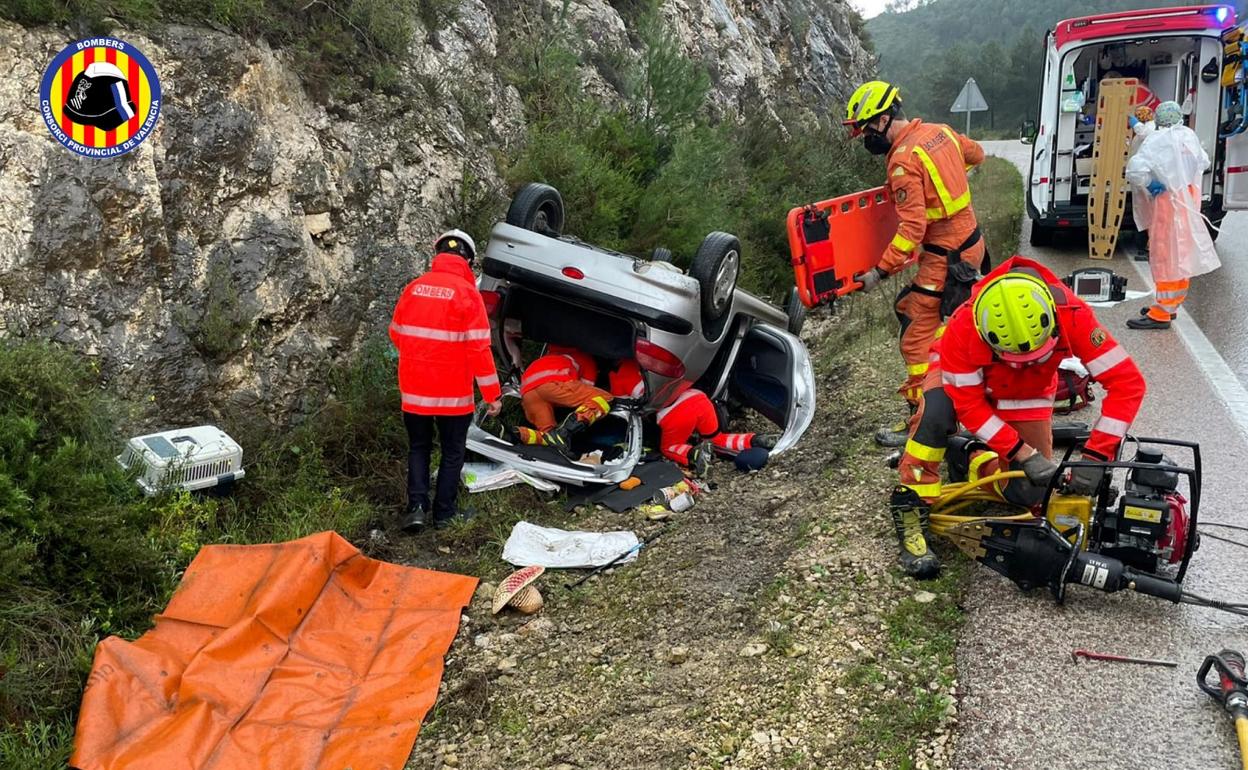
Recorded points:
(872, 99)
(1016, 315)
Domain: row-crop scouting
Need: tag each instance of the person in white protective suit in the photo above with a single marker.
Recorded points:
(1168, 168)
(1141, 122)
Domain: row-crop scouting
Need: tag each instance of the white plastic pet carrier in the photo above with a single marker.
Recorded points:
(187, 458)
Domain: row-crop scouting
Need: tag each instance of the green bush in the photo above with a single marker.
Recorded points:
(657, 170)
(997, 192)
(333, 41)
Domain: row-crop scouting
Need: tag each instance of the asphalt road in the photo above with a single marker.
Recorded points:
(1024, 703)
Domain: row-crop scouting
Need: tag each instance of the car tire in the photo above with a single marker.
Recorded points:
(716, 267)
(537, 207)
(1041, 235)
(796, 312)
(661, 255)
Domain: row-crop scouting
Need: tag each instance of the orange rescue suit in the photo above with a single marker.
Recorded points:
(927, 177)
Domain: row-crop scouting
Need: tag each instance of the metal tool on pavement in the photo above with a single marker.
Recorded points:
(1075, 655)
(641, 544)
(1230, 690)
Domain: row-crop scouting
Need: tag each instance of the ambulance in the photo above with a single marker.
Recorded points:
(1191, 55)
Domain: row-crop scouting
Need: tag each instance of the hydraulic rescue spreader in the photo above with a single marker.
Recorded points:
(1140, 537)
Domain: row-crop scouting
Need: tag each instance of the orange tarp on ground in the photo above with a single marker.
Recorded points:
(293, 656)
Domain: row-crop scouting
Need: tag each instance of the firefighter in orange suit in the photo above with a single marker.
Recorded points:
(995, 371)
(926, 167)
(689, 431)
(443, 337)
(563, 377)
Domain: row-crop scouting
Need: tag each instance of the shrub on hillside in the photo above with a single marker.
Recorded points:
(84, 555)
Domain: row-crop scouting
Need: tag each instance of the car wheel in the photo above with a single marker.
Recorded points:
(1041, 235)
(716, 267)
(537, 207)
(661, 255)
(796, 312)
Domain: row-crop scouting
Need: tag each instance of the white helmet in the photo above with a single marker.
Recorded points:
(456, 242)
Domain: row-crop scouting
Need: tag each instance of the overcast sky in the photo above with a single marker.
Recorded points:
(869, 8)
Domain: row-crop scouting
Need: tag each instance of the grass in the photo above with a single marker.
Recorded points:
(901, 716)
(928, 632)
(997, 193)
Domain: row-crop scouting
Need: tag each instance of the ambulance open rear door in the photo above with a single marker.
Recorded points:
(1233, 128)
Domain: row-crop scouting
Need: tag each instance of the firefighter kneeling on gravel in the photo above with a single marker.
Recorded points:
(563, 377)
(994, 370)
(690, 433)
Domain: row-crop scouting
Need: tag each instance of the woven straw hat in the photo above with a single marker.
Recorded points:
(517, 592)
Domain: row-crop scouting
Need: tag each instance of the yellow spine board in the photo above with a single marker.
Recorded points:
(1107, 197)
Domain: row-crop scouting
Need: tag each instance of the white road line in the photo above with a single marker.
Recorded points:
(1225, 384)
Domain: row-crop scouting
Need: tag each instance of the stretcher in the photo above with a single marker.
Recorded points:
(1107, 198)
(832, 241)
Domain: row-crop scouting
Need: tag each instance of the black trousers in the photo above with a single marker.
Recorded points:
(453, 438)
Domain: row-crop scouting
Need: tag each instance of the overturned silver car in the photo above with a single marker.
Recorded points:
(542, 287)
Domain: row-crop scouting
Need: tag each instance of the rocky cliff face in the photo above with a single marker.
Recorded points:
(260, 235)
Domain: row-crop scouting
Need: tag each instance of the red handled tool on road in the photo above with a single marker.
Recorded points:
(1230, 690)
(1089, 655)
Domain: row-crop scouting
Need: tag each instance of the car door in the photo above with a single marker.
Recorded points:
(1233, 128)
(772, 375)
(1044, 144)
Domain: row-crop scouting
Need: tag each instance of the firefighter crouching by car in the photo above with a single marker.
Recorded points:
(690, 433)
(926, 167)
(443, 337)
(995, 371)
(563, 377)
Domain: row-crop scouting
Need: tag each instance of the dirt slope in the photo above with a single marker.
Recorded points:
(766, 628)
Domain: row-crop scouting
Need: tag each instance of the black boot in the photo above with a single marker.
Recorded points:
(414, 518)
(700, 459)
(910, 516)
(561, 437)
(764, 440)
(1147, 322)
(894, 436)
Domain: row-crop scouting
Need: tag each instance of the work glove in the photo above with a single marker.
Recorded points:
(1085, 481)
(1039, 469)
(1133, 121)
(870, 279)
(1155, 188)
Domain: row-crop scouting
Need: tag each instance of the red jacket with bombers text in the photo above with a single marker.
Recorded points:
(443, 338)
(987, 393)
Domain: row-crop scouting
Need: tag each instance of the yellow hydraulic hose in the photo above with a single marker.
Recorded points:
(960, 496)
(958, 490)
(1241, 728)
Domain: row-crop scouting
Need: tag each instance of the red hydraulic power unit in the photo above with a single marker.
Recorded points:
(833, 240)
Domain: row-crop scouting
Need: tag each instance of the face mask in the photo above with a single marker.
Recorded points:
(877, 142)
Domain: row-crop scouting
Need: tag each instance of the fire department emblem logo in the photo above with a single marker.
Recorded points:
(1098, 337)
(100, 97)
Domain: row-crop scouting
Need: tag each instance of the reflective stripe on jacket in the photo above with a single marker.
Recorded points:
(556, 367)
(986, 393)
(443, 337)
(927, 177)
